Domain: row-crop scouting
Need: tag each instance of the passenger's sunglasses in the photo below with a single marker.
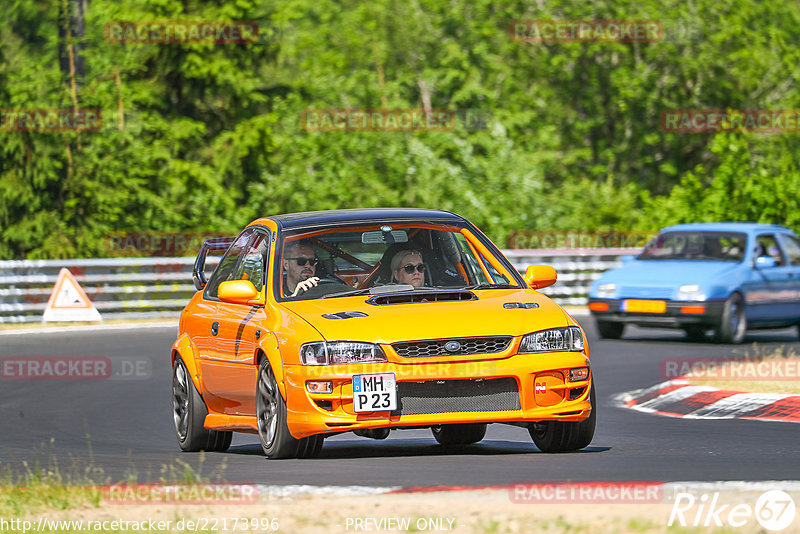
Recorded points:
(302, 261)
(410, 268)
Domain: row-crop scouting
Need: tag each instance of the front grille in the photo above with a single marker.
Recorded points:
(644, 292)
(437, 347)
(447, 396)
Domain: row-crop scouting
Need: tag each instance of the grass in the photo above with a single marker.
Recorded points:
(47, 485)
(760, 371)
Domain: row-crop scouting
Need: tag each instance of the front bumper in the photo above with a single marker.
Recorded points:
(541, 382)
(678, 313)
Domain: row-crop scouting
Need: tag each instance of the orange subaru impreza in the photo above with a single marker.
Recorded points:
(373, 320)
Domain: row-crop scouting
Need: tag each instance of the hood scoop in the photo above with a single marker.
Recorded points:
(345, 315)
(421, 296)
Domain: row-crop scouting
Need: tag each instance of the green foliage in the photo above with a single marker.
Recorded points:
(211, 136)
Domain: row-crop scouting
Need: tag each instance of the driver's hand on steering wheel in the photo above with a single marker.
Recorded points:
(305, 285)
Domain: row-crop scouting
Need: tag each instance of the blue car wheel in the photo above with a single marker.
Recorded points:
(732, 322)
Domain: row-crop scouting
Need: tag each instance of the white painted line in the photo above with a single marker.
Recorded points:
(736, 405)
(670, 488)
(292, 490)
(89, 328)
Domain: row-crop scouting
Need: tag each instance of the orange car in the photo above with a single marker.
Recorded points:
(374, 320)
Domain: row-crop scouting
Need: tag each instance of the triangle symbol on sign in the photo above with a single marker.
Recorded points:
(69, 302)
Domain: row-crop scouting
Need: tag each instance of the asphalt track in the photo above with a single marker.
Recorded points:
(120, 428)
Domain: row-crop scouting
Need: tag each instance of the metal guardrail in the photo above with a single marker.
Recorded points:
(136, 288)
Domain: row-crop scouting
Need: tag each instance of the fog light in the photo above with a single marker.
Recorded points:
(598, 306)
(319, 386)
(576, 375)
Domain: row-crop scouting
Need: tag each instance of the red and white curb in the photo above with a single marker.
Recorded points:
(681, 398)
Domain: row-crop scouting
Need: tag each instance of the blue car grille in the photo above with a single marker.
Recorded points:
(637, 292)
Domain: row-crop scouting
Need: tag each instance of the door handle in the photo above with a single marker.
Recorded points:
(214, 328)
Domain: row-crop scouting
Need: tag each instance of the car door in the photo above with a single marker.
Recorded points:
(791, 249)
(240, 328)
(766, 295)
(215, 368)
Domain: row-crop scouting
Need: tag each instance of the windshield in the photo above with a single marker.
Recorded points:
(707, 246)
(369, 259)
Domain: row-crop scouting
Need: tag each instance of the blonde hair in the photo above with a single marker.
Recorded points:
(397, 258)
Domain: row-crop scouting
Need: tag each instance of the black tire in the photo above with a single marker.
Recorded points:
(276, 440)
(561, 436)
(610, 329)
(460, 434)
(695, 332)
(189, 413)
(733, 322)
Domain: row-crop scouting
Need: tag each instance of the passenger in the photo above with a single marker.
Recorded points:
(407, 268)
(300, 264)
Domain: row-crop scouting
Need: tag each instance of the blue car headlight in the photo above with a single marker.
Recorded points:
(690, 292)
(565, 339)
(606, 291)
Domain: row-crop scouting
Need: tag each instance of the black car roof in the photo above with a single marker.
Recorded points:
(314, 218)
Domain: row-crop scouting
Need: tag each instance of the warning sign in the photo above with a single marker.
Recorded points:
(68, 301)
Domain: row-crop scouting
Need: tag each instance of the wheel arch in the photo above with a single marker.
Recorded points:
(268, 348)
(184, 348)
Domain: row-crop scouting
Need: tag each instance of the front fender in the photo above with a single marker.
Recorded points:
(184, 348)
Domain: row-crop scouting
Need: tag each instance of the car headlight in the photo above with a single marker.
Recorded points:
(690, 292)
(338, 352)
(566, 339)
(607, 291)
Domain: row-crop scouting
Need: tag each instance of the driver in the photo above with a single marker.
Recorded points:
(408, 268)
(300, 264)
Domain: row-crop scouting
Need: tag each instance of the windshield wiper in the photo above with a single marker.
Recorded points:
(491, 286)
(353, 293)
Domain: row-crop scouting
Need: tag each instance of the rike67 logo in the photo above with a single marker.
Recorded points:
(774, 510)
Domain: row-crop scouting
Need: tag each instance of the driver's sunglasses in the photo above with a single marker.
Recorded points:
(302, 261)
(410, 268)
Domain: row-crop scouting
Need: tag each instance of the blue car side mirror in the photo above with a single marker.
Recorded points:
(765, 262)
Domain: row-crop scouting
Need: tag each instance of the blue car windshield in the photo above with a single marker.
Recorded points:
(708, 246)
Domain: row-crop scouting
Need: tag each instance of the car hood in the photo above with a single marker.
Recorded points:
(390, 323)
(667, 273)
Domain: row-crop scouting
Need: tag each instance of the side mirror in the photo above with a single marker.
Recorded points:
(539, 276)
(765, 262)
(239, 292)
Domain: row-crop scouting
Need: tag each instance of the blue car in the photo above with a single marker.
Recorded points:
(725, 277)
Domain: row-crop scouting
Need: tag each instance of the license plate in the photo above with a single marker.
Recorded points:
(374, 392)
(644, 306)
